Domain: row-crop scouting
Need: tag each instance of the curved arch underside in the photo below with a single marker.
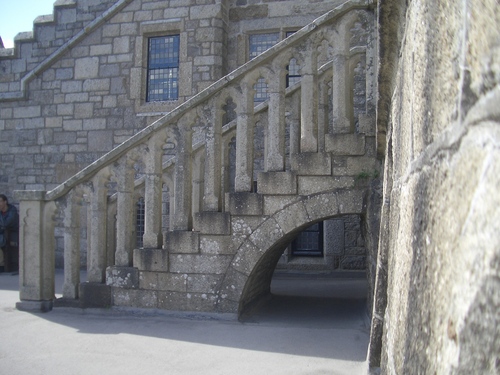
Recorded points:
(249, 274)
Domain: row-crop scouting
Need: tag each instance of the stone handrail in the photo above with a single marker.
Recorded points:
(114, 244)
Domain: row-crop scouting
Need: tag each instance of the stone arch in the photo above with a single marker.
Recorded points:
(249, 274)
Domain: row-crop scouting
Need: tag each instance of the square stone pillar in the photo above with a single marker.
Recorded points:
(36, 251)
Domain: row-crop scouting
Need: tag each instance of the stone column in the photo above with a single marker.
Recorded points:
(36, 251)
(183, 176)
(213, 163)
(309, 101)
(72, 218)
(275, 137)
(98, 224)
(244, 139)
(341, 85)
(126, 211)
(153, 238)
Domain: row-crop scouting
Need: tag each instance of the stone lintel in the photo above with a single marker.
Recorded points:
(122, 277)
(345, 144)
(312, 164)
(277, 183)
(208, 222)
(245, 204)
(184, 242)
(95, 295)
(155, 260)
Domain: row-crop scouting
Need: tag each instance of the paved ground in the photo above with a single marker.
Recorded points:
(322, 330)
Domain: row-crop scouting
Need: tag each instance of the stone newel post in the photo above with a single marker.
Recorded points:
(36, 251)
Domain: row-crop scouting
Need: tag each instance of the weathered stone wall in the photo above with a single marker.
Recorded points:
(440, 243)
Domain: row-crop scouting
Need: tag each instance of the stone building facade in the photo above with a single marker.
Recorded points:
(77, 86)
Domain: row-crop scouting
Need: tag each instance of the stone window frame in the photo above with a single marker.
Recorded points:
(139, 73)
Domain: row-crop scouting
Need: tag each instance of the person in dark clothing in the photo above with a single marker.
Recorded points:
(9, 234)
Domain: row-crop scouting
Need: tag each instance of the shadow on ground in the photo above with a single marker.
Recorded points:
(318, 317)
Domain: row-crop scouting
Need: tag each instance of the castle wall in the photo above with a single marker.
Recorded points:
(439, 248)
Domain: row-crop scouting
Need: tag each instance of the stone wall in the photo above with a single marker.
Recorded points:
(439, 260)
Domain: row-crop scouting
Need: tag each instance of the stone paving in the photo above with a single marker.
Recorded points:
(322, 330)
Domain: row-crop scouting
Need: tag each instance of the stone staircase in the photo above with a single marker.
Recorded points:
(232, 210)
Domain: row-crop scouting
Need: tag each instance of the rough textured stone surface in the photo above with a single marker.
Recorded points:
(439, 300)
(122, 277)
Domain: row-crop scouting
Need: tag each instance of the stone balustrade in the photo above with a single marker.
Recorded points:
(299, 142)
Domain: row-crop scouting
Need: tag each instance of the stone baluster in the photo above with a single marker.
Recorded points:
(309, 100)
(72, 219)
(213, 159)
(245, 139)
(98, 225)
(341, 87)
(275, 137)
(323, 111)
(153, 238)
(111, 233)
(294, 119)
(168, 180)
(125, 211)
(183, 176)
(36, 251)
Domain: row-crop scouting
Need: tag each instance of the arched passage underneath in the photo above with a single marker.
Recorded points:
(249, 275)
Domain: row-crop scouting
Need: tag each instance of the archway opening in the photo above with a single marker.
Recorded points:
(314, 276)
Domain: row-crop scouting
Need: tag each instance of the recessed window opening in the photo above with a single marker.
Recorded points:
(309, 242)
(163, 68)
(140, 221)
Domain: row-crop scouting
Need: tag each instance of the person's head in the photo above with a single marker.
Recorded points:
(3, 202)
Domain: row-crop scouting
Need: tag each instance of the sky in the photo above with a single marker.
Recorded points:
(18, 15)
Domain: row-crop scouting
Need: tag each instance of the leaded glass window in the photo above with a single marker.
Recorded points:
(163, 68)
